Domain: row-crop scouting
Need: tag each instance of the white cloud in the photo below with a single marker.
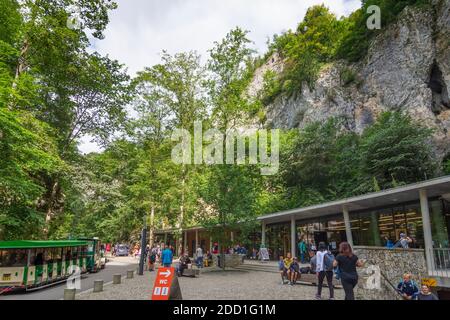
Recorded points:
(140, 29)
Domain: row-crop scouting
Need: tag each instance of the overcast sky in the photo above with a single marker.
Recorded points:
(140, 29)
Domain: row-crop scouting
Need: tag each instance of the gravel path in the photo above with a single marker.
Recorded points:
(214, 285)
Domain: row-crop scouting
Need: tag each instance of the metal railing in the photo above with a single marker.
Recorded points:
(441, 262)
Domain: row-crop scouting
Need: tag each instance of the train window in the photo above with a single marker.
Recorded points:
(56, 254)
(83, 251)
(74, 252)
(13, 258)
(32, 256)
(68, 254)
(39, 257)
(49, 256)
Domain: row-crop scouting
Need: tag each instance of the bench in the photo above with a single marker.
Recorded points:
(191, 273)
(312, 279)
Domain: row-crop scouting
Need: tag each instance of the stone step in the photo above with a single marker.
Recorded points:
(252, 267)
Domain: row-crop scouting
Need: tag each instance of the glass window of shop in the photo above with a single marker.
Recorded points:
(330, 230)
(377, 227)
(278, 240)
(440, 218)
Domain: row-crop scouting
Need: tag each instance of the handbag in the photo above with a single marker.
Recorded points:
(337, 273)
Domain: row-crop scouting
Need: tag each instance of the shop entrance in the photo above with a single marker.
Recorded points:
(320, 236)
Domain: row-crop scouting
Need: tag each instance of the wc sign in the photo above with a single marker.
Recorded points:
(163, 281)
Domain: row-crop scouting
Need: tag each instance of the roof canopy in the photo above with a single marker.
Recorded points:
(435, 187)
(28, 244)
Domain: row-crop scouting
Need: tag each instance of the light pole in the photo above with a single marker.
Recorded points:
(143, 247)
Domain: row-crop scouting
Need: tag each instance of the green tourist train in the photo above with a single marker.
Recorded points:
(31, 265)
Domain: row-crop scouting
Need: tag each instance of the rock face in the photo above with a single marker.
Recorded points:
(407, 68)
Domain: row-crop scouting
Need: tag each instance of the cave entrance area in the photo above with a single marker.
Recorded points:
(437, 85)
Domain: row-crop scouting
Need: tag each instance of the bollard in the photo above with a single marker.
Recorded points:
(69, 294)
(130, 274)
(117, 278)
(98, 285)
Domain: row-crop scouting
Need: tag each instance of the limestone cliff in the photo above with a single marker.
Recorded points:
(407, 68)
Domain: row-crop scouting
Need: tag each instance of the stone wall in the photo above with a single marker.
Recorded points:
(231, 260)
(384, 264)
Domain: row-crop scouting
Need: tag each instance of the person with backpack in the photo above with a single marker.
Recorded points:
(407, 287)
(322, 264)
(347, 262)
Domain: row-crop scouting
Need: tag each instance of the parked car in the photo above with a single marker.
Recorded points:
(122, 250)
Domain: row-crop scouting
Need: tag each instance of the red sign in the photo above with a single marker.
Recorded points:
(161, 289)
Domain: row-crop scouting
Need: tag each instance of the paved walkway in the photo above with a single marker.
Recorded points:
(214, 285)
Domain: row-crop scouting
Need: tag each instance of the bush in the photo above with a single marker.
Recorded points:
(271, 88)
(396, 148)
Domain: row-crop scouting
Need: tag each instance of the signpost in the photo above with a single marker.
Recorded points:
(163, 284)
(430, 282)
(264, 254)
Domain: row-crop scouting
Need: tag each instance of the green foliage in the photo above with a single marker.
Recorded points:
(53, 91)
(347, 76)
(356, 39)
(396, 149)
(325, 162)
(28, 157)
(271, 88)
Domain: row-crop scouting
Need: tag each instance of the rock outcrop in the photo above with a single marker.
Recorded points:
(407, 68)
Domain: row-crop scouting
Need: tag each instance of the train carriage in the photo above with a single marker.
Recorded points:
(31, 265)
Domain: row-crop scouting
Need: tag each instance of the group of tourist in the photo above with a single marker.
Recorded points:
(409, 290)
(326, 266)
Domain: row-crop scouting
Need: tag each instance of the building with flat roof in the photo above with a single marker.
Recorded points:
(420, 210)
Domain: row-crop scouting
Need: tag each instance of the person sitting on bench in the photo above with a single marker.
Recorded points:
(294, 271)
(184, 262)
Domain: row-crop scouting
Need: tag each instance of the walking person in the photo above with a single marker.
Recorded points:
(199, 259)
(167, 257)
(322, 264)
(302, 249)
(347, 263)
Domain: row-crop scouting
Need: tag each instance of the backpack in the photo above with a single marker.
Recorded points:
(328, 262)
(305, 270)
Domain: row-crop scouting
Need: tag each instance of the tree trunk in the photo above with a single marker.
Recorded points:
(20, 68)
(51, 206)
(152, 226)
(181, 218)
